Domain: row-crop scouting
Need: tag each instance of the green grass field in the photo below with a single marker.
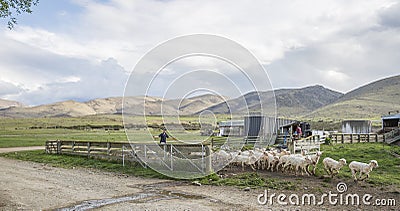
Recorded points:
(388, 172)
(16, 132)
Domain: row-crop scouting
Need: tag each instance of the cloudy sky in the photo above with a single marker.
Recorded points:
(85, 49)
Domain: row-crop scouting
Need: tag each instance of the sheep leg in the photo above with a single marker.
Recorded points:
(331, 172)
(335, 172)
(353, 173)
(252, 167)
(304, 169)
(327, 170)
(366, 176)
(277, 166)
(308, 169)
(284, 167)
(295, 170)
(307, 173)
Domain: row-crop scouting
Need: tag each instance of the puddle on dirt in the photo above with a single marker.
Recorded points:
(152, 194)
(181, 195)
(91, 204)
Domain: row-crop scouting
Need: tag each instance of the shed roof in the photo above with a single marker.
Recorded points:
(394, 116)
(232, 123)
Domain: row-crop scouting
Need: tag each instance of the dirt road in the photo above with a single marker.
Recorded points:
(27, 185)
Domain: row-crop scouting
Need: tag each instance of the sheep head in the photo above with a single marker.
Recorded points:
(308, 159)
(342, 161)
(373, 163)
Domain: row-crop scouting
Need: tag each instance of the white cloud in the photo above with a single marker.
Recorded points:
(300, 42)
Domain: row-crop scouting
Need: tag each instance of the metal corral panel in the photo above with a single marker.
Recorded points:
(356, 126)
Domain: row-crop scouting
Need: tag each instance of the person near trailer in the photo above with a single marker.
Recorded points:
(299, 132)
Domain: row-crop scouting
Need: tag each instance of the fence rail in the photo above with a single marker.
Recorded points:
(166, 154)
(392, 136)
(311, 144)
(86, 148)
(356, 137)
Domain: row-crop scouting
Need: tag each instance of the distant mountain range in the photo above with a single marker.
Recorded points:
(9, 103)
(289, 102)
(369, 101)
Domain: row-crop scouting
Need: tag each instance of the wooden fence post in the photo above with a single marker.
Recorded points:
(208, 159)
(88, 149)
(342, 138)
(108, 148)
(58, 147)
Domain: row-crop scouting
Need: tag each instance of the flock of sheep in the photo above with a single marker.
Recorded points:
(275, 160)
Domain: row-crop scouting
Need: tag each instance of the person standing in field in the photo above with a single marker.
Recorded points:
(163, 137)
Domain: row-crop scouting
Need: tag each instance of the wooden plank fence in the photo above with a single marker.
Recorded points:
(356, 137)
(87, 148)
(127, 151)
(311, 144)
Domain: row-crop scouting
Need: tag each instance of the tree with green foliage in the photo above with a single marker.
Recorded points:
(11, 8)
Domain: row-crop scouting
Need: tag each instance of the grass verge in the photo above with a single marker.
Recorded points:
(249, 179)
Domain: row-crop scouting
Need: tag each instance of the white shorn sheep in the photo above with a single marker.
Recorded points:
(282, 160)
(331, 166)
(246, 159)
(298, 163)
(268, 161)
(315, 160)
(363, 168)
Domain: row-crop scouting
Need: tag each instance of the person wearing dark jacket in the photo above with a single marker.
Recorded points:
(163, 137)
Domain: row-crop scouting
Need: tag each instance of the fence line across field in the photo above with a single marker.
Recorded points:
(356, 137)
(166, 155)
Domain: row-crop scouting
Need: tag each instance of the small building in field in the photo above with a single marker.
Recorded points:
(356, 126)
(231, 128)
(390, 121)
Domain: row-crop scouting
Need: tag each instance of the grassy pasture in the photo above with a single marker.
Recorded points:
(16, 132)
(388, 157)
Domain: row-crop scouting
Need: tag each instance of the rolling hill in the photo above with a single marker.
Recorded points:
(8, 103)
(289, 102)
(113, 105)
(313, 102)
(370, 101)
